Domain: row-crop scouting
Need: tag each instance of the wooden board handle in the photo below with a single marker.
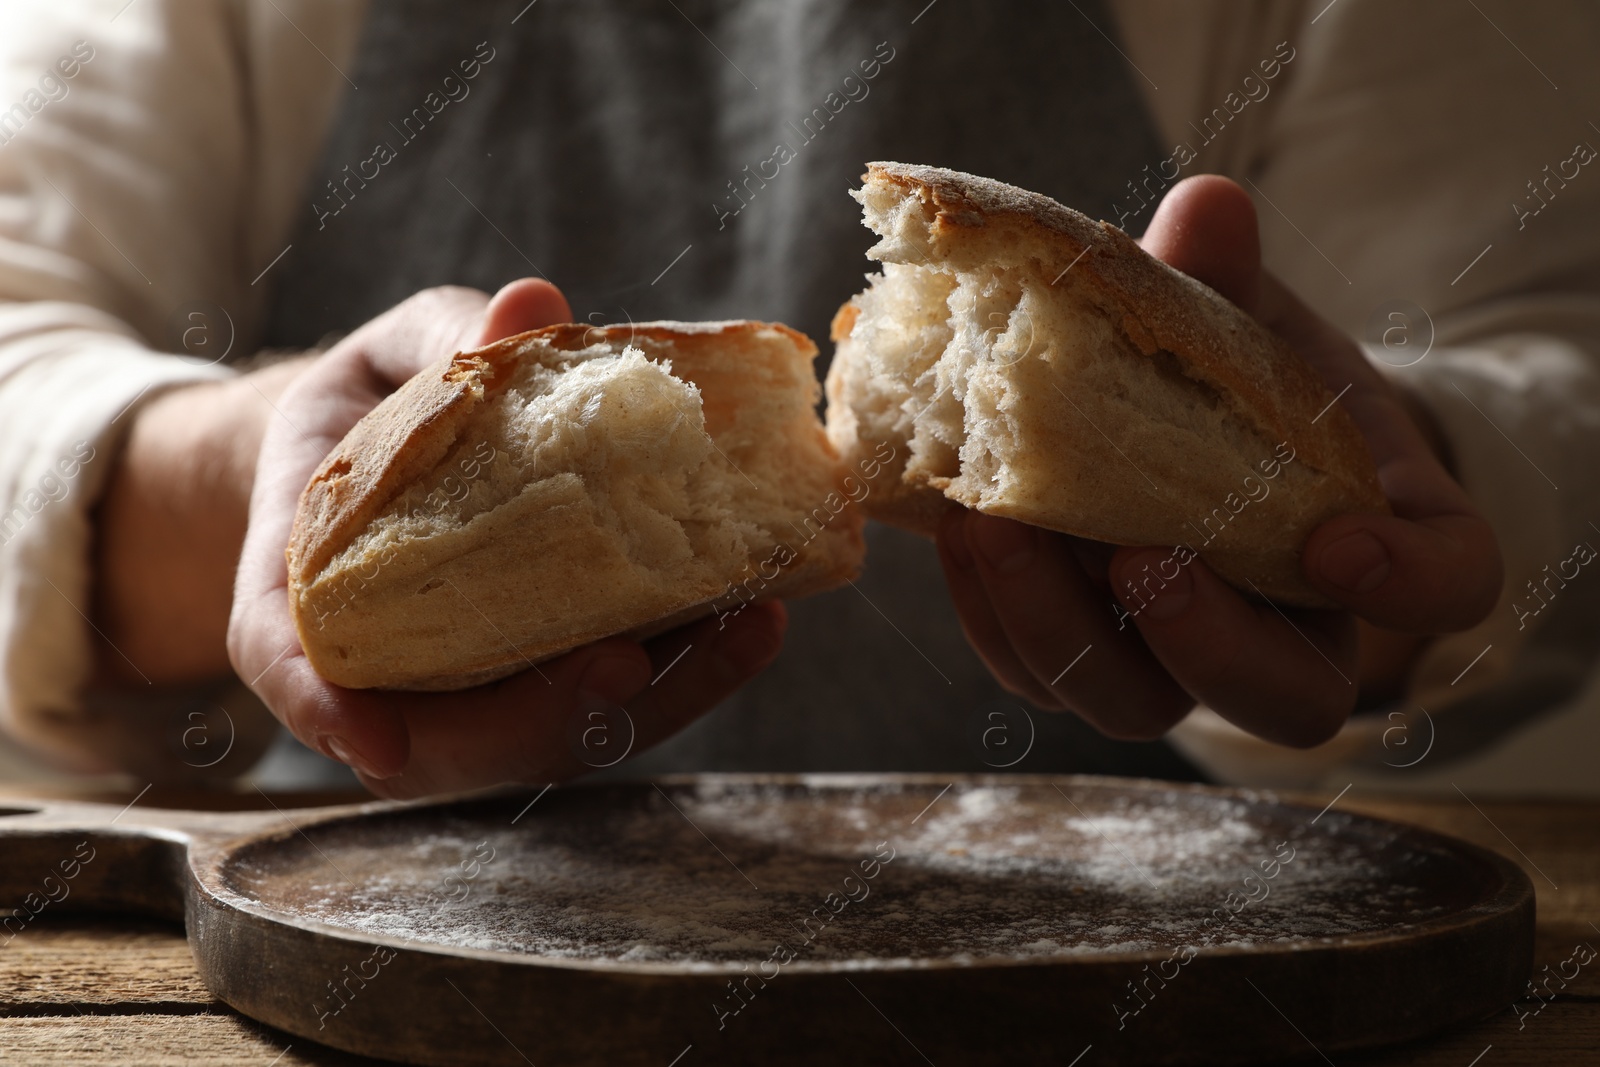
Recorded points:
(60, 856)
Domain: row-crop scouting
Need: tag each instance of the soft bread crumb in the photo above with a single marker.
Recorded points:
(633, 436)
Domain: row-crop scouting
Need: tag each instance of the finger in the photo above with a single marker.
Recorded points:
(1434, 565)
(440, 322)
(978, 620)
(700, 665)
(1440, 574)
(525, 304)
(352, 377)
(262, 642)
(416, 333)
(519, 729)
(586, 710)
(362, 728)
(346, 725)
(308, 420)
(1287, 677)
(1206, 227)
(1051, 614)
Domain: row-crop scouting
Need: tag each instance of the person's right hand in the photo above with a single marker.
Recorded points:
(1031, 600)
(519, 729)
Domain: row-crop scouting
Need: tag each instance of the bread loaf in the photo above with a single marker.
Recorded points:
(560, 486)
(1028, 362)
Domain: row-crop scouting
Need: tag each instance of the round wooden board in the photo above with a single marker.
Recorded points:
(786, 920)
(882, 919)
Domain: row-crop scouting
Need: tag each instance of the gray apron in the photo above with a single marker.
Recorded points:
(690, 161)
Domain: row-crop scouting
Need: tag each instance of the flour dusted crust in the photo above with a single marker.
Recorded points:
(564, 485)
(1030, 362)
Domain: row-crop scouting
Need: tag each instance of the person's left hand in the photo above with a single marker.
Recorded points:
(1032, 600)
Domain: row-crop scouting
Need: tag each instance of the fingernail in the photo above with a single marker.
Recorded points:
(745, 650)
(1005, 545)
(1357, 563)
(613, 680)
(1163, 597)
(346, 753)
(952, 535)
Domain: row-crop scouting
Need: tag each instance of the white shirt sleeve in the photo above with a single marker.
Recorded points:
(1425, 160)
(152, 160)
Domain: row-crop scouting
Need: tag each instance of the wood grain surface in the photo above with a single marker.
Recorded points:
(90, 991)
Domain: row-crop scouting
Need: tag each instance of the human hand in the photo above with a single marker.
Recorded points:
(516, 729)
(1031, 600)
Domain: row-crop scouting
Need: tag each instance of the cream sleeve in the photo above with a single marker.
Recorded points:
(152, 160)
(1426, 178)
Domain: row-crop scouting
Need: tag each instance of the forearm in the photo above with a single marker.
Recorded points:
(169, 528)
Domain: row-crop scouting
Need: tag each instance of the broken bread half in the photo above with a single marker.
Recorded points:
(1026, 361)
(560, 486)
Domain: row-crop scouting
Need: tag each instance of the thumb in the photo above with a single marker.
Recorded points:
(525, 304)
(1206, 227)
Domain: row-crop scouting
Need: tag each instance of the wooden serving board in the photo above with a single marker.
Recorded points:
(782, 919)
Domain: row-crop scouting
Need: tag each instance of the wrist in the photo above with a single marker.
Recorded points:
(170, 524)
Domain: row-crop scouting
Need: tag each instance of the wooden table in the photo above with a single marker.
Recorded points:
(123, 991)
